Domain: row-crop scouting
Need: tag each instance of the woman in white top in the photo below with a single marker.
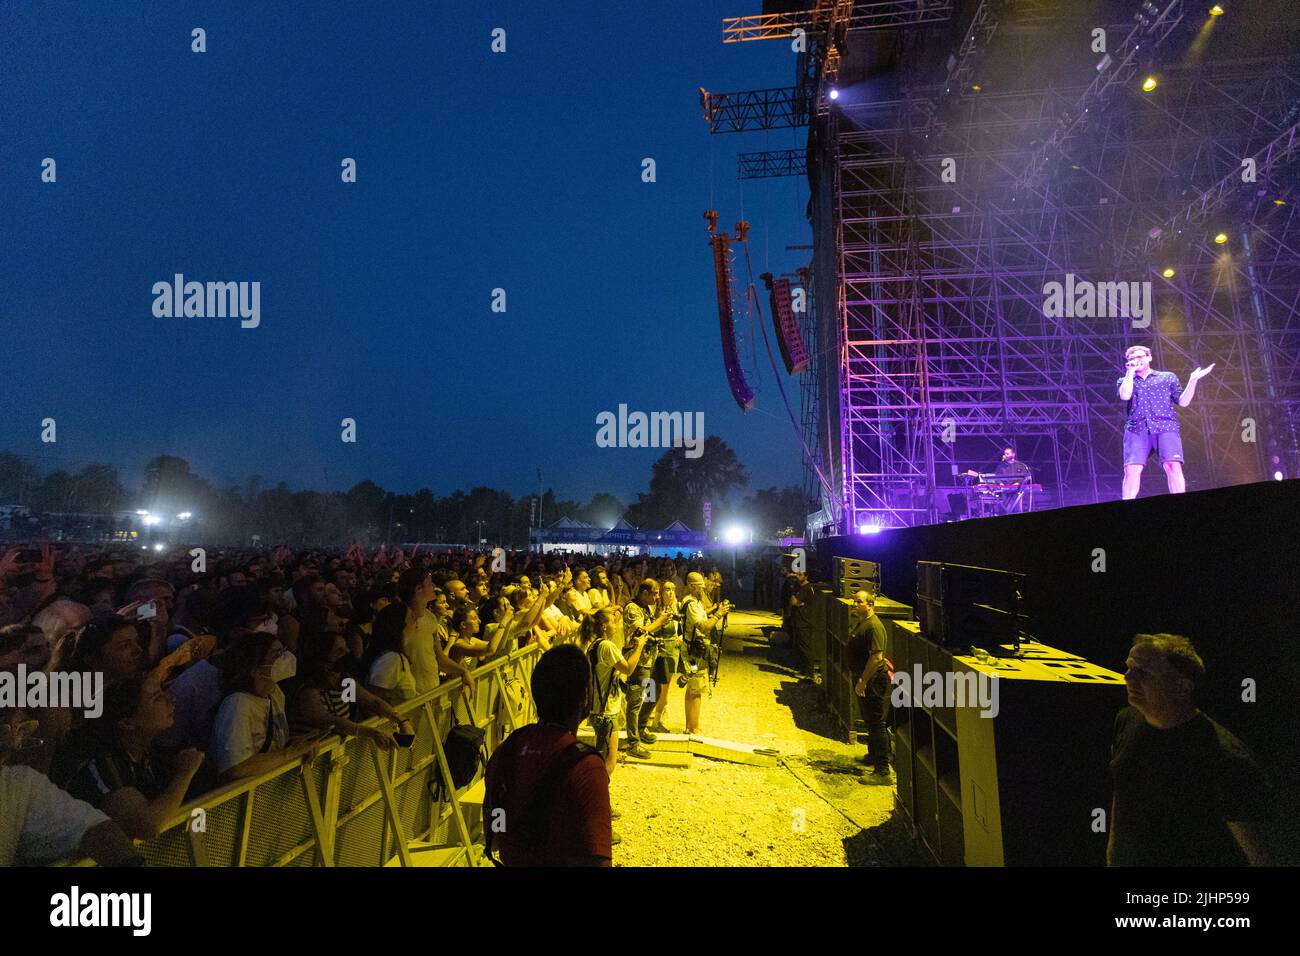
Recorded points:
(251, 732)
(388, 670)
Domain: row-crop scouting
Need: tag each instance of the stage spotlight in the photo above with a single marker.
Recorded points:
(835, 94)
(1216, 11)
(157, 547)
(1169, 272)
(1149, 84)
(151, 519)
(735, 535)
(1279, 202)
(868, 529)
(1278, 476)
(975, 87)
(1221, 238)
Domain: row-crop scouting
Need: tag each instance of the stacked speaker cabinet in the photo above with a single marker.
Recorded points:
(856, 574)
(1020, 786)
(962, 606)
(810, 642)
(837, 684)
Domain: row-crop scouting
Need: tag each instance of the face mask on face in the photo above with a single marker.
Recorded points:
(269, 626)
(285, 666)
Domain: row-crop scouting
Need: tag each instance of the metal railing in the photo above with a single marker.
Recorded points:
(354, 804)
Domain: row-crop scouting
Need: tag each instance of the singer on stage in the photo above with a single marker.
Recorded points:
(1152, 424)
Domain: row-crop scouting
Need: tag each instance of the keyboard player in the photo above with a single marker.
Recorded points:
(1016, 475)
(1008, 467)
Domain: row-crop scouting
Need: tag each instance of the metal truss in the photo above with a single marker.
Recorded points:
(875, 15)
(778, 108)
(974, 43)
(1119, 72)
(933, 291)
(777, 162)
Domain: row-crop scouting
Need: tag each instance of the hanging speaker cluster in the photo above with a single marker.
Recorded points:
(793, 352)
(721, 242)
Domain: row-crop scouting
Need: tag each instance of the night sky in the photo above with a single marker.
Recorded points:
(476, 170)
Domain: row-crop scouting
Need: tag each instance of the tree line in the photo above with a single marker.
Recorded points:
(257, 511)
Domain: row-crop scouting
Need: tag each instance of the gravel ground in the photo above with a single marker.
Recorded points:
(809, 810)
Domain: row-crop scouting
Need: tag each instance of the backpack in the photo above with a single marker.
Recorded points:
(531, 825)
(466, 752)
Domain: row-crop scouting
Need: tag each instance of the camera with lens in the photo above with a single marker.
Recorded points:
(699, 655)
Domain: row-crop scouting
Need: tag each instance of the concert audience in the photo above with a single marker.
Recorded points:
(220, 676)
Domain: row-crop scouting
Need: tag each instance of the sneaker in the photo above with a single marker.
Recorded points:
(615, 838)
(615, 814)
(647, 737)
(636, 750)
(658, 727)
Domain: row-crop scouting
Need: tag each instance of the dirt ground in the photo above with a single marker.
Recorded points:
(809, 810)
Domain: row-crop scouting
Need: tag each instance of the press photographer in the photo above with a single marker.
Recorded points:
(643, 614)
(701, 628)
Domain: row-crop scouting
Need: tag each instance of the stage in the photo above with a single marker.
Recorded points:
(1218, 566)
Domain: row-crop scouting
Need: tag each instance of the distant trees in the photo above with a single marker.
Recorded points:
(679, 486)
(368, 513)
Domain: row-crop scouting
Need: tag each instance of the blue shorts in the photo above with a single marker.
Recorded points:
(1139, 445)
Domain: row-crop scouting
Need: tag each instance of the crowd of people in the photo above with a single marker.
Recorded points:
(225, 667)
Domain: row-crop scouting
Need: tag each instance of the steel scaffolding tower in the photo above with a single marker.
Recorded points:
(934, 290)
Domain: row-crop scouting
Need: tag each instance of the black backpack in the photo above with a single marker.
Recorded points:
(466, 751)
(530, 826)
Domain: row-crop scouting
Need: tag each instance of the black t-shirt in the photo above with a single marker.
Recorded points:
(803, 613)
(867, 637)
(1176, 791)
(91, 776)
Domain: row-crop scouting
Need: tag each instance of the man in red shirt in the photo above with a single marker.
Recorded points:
(547, 794)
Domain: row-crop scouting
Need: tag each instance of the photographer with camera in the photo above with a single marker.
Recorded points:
(699, 626)
(610, 664)
(643, 615)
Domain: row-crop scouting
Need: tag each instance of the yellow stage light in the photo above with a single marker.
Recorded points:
(1149, 84)
(1221, 238)
(1168, 273)
(1216, 11)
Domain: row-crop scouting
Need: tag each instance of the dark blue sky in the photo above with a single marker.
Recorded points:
(475, 170)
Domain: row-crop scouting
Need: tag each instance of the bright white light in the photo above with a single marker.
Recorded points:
(868, 529)
(141, 511)
(150, 519)
(835, 94)
(184, 515)
(1277, 476)
(735, 534)
(157, 547)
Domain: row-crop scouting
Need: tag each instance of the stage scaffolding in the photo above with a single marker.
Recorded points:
(933, 348)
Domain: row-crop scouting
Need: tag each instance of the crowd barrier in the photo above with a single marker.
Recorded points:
(354, 804)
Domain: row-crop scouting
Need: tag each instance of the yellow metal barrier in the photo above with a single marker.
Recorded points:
(356, 805)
